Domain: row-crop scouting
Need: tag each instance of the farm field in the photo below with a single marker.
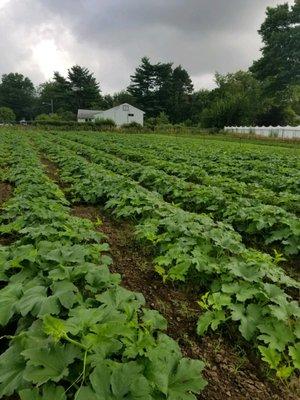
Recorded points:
(148, 267)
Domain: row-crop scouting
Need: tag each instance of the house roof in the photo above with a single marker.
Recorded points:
(82, 114)
(120, 105)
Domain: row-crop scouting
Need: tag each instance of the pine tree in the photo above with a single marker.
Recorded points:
(160, 88)
(85, 88)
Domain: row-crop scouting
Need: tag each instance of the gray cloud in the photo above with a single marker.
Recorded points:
(110, 36)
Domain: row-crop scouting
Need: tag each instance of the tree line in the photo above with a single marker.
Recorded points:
(266, 94)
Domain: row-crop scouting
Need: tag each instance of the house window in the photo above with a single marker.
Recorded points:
(130, 115)
(125, 107)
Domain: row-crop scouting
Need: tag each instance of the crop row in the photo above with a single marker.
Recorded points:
(257, 222)
(218, 151)
(234, 155)
(237, 284)
(194, 174)
(277, 178)
(69, 329)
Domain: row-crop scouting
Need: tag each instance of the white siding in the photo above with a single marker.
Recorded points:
(123, 114)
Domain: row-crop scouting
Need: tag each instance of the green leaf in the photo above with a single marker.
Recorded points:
(186, 380)
(249, 323)
(123, 378)
(246, 271)
(54, 327)
(284, 372)
(114, 381)
(270, 355)
(9, 296)
(274, 293)
(294, 352)
(83, 319)
(36, 301)
(204, 322)
(12, 365)
(154, 320)
(249, 317)
(100, 380)
(86, 393)
(49, 363)
(219, 316)
(49, 393)
(65, 292)
(275, 333)
(30, 394)
(242, 290)
(163, 360)
(121, 298)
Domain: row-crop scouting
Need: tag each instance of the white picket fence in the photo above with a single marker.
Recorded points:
(284, 132)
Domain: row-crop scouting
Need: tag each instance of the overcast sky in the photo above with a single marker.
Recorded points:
(109, 37)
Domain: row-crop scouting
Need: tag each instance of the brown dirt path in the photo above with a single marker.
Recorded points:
(5, 192)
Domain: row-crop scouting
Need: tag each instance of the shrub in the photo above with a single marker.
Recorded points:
(7, 115)
(48, 117)
(67, 115)
(132, 125)
(150, 123)
(105, 123)
(162, 119)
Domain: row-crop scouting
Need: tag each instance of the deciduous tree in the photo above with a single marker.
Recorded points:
(17, 92)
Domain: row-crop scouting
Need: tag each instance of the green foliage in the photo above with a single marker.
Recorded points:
(235, 102)
(132, 126)
(79, 90)
(279, 30)
(243, 285)
(17, 93)
(162, 119)
(48, 117)
(161, 88)
(278, 70)
(105, 123)
(76, 332)
(7, 115)
(261, 222)
(66, 115)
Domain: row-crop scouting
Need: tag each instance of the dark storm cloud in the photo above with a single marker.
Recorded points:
(110, 36)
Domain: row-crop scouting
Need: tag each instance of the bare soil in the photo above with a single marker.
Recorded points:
(230, 372)
(5, 193)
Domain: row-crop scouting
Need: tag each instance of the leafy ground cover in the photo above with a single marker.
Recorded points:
(58, 288)
(280, 169)
(69, 330)
(236, 283)
(231, 368)
(254, 220)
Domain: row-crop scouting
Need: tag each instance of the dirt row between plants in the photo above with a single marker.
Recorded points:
(5, 193)
(232, 371)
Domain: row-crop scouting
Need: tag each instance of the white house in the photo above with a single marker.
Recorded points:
(122, 114)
